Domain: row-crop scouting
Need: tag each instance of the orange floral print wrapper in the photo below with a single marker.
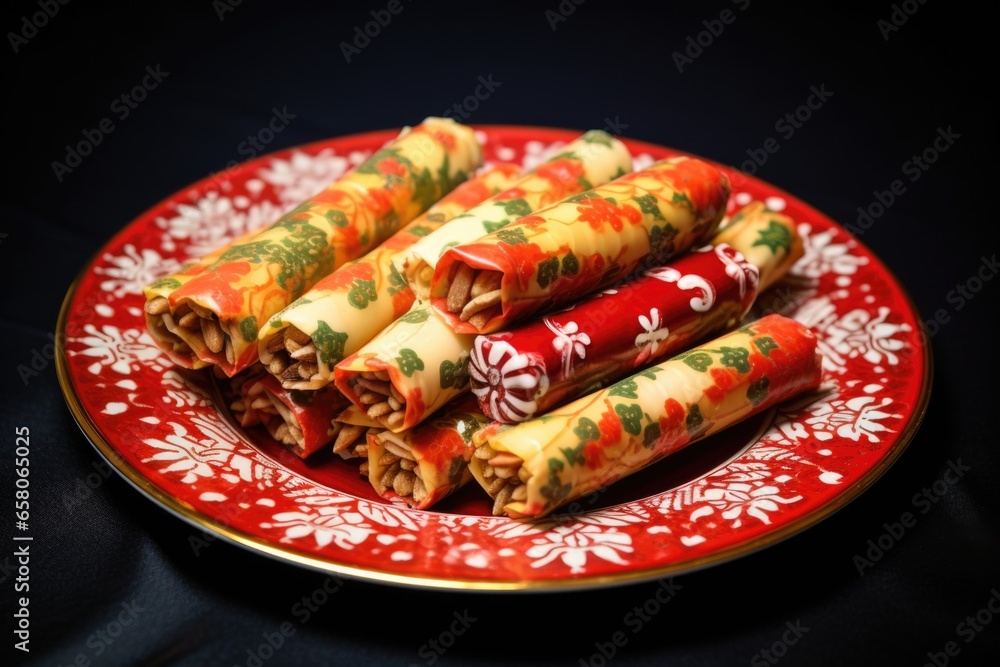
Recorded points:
(535, 467)
(172, 338)
(303, 342)
(588, 241)
(425, 464)
(531, 368)
(593, 159)
(254, 279)
(408, 371)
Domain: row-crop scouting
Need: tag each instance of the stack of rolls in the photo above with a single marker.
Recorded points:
(438, 323)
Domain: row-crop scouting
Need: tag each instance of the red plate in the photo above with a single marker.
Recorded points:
(166, 432)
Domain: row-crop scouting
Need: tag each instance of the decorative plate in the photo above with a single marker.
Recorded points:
(166, 432)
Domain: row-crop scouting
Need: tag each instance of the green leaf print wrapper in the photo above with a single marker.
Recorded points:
(223, 307)
(531, 368)
(535, 467)
(175, 340)
(413, 367)
(565, 251)
(301, 344)
(593, 159)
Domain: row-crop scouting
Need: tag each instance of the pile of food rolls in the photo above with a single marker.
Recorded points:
(439, 323)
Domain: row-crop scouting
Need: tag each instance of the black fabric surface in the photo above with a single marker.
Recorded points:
(891, 92)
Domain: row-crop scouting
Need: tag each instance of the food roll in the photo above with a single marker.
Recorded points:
(529, 369)
(532, 468)
(767, 239)
(409, 370)
(174, 339)
(352, 427)
(302, 421)
(240, 392)
(593, 159)
(223, 306)
(423, 465)
(301, 343)
(588, 241)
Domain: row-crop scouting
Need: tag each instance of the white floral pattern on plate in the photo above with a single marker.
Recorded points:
(809, 452)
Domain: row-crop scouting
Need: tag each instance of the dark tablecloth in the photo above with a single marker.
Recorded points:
(696, 78)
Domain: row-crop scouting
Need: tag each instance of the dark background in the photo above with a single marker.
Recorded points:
(607, 60)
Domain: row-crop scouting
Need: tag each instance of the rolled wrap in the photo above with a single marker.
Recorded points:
(352, 426)
(413, 367)
(173, 339)
(532, 468)
(592, 160)
(301, 421)
(427, 463)
(348, 307)
(240, 392)
(254, 279)
(587, 241)
(532, 368)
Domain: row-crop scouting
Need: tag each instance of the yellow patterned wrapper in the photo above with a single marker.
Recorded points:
(350, 306)
(767, 239)
(590, 240)
(535, 467)
(252, 280)
(409, 370)
(172, 338)
(592, 160)
(351, 428)
(425, 464)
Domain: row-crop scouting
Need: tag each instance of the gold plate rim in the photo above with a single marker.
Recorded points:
(372, 575)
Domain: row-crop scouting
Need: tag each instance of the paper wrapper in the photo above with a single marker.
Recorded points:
(253, 280)
(525, 371)
(583, 243)
(596, 440)
(593, 159)
(419, 357)
(423, 465)
(236, 394)
(173, 339)
(767, 239)
(351, 305)
(302, 421)
(352, 426)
